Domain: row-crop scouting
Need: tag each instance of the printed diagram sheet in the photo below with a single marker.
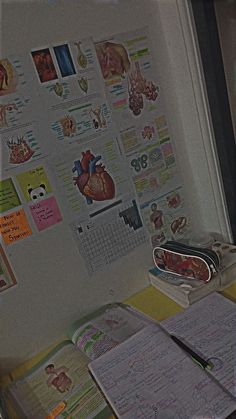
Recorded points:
(109, 234)
(105, 219)
(166, 217)
(19, 113)
(93, 114)
(128, 74)
(136, 102)
(90, 176)
(71, 92)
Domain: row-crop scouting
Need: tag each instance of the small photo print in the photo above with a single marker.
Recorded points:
(64, 60)
(44, 65)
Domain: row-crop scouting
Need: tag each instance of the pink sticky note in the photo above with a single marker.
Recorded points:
(46, 213)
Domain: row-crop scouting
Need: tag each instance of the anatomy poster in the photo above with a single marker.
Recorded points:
(71, 93)
(150, 157)
(81, 121)
(20, 146)
(85, 141)
(90, 177)
(167, 217)
(20, 113)
(12, 75)
(129, 76)
(109, 234)
(7, 277)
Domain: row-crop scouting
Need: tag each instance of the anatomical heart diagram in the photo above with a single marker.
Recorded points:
(92, 180)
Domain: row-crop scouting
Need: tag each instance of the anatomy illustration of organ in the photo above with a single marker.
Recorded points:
(3, 113)
(20, 151)
(81, 57)
(139, 87)
(8, 77)
(92, 179)
(44, 65)
(3, 76)
(97, 117)
(68, 126)
(113, 59)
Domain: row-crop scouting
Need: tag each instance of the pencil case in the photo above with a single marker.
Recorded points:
(191, 262)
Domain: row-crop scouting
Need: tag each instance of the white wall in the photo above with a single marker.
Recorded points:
(53, 286)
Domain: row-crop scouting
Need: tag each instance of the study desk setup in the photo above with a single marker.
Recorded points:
(153, 327)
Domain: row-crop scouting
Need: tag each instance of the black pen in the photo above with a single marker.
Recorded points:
(196, 358)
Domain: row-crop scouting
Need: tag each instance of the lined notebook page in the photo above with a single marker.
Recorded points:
(149, 376)
(209, 326)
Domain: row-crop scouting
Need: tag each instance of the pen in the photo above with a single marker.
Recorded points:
(195, 357)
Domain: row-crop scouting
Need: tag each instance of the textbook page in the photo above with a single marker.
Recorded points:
(105, 329)
(209, 327)
(149, 376)
(60, 386)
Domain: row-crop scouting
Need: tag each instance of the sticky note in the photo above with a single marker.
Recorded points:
(14, 226)
(8, 196)
(46, 213)
(34, 180)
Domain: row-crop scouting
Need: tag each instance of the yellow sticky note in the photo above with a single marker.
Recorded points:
(33, 180)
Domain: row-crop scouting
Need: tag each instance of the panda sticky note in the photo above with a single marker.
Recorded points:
(34, 184)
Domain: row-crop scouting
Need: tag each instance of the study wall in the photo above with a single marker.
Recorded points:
(101, 141)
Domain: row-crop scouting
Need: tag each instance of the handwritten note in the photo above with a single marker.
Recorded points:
(46, 213)
(209, 326)
(149, 376)
(8, 195)
(14, 227)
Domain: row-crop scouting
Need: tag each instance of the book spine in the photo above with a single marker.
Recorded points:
(181, 299)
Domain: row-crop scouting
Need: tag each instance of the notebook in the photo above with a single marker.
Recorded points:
(60, 385)
(210, 327)
(149, 376)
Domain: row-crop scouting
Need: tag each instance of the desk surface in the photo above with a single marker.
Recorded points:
(150, 301)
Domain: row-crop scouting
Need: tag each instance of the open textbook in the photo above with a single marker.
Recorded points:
(139, 369)
(60, 385)
(149, 376)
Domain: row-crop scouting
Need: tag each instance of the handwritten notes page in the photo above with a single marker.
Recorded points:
(209, 326)
(149, 376)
